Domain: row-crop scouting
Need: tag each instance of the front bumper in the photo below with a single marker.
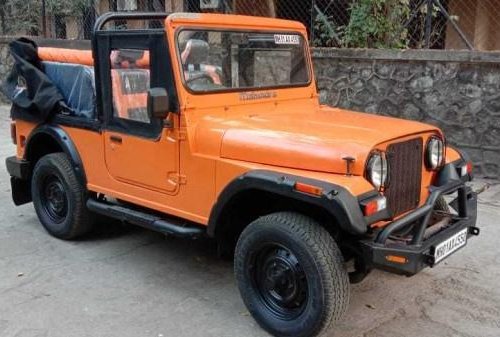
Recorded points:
(415, 249)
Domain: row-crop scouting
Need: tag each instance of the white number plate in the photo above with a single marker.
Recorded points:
(450, 246)
(286, 39)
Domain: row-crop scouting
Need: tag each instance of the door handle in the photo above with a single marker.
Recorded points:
(116, 139)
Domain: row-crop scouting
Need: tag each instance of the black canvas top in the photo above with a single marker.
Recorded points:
(34, 96)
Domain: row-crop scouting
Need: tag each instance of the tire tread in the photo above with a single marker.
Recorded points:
(327, 256)
(81, 218)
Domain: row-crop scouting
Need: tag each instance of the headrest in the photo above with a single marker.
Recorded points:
(126, 56)
(196, 52)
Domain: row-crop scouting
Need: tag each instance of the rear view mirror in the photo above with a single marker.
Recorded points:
(158, 103)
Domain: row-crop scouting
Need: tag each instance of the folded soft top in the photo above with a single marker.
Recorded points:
(47, 81)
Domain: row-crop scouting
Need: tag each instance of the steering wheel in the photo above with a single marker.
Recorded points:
(199, 77)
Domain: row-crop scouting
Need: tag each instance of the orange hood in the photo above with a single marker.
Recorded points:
(311, 141)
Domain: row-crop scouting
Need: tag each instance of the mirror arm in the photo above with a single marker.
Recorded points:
(168, 123)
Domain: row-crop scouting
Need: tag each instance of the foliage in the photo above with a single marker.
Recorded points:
(419, 27)
(22, 16)
(67, 7)
(377, 24)
(372, 24)
(326, 33)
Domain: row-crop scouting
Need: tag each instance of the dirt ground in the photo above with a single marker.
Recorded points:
(124, 281)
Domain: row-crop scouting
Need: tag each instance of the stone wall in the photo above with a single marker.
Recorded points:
(5, 63)
(459, 91)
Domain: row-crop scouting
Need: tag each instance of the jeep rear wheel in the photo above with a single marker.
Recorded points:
(291, 275)
(59, 197)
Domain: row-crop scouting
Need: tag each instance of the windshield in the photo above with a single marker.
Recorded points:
(224, 60)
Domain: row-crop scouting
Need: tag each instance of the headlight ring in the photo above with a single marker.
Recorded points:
(377, 170)
(434, 153)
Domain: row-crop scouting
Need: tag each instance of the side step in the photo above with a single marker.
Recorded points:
(172, 226)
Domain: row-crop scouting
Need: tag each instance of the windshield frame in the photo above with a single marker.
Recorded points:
(307, 57)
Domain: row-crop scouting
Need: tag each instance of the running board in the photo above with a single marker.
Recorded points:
(173, 226)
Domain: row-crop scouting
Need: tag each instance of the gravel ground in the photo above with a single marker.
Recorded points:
(124, 281)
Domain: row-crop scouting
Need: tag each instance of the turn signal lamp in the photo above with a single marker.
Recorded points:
(308, 189)
(396, 259)
(375, 205)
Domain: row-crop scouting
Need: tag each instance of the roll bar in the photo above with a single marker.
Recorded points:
(115, 16)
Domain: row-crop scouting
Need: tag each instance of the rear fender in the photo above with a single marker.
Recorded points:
(43, 140)
(64, 144)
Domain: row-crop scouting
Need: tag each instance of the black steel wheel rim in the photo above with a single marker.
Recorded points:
(280, 281)
(54, 198)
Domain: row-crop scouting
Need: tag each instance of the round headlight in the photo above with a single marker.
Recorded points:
(435, 153)
(377, 169)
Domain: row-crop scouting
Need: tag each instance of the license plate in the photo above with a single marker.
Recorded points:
(450, 246)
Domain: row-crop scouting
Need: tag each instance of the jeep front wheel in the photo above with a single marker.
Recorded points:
(291, 275)
(59, 197)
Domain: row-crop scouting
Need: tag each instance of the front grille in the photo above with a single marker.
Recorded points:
(405, 175)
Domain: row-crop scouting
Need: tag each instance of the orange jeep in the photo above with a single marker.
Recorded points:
(211, 126)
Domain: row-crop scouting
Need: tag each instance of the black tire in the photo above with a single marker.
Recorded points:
(291, 275)
(60, 198)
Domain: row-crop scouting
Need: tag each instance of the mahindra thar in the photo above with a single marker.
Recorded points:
(210, 125)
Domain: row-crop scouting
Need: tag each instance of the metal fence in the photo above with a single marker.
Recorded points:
(431, 24)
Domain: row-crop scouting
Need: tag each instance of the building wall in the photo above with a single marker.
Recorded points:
(478, 20)
(457, 91)
(174, 5)
(255, 7)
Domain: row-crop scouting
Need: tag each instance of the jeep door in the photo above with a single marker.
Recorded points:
(139, 149)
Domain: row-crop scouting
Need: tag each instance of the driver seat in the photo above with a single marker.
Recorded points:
(194, 61)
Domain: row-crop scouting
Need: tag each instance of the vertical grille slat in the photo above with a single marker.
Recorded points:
(405, 175)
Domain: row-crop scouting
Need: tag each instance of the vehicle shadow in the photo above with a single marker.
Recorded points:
(202, 250)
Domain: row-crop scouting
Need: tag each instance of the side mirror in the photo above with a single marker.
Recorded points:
(158, 103)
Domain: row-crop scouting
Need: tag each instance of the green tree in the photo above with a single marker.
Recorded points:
(22, 16)
(377, 24)
(326, 33)
(25, 16)
(68, 7)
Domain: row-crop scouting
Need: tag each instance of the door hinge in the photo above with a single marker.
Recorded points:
(177, 179)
